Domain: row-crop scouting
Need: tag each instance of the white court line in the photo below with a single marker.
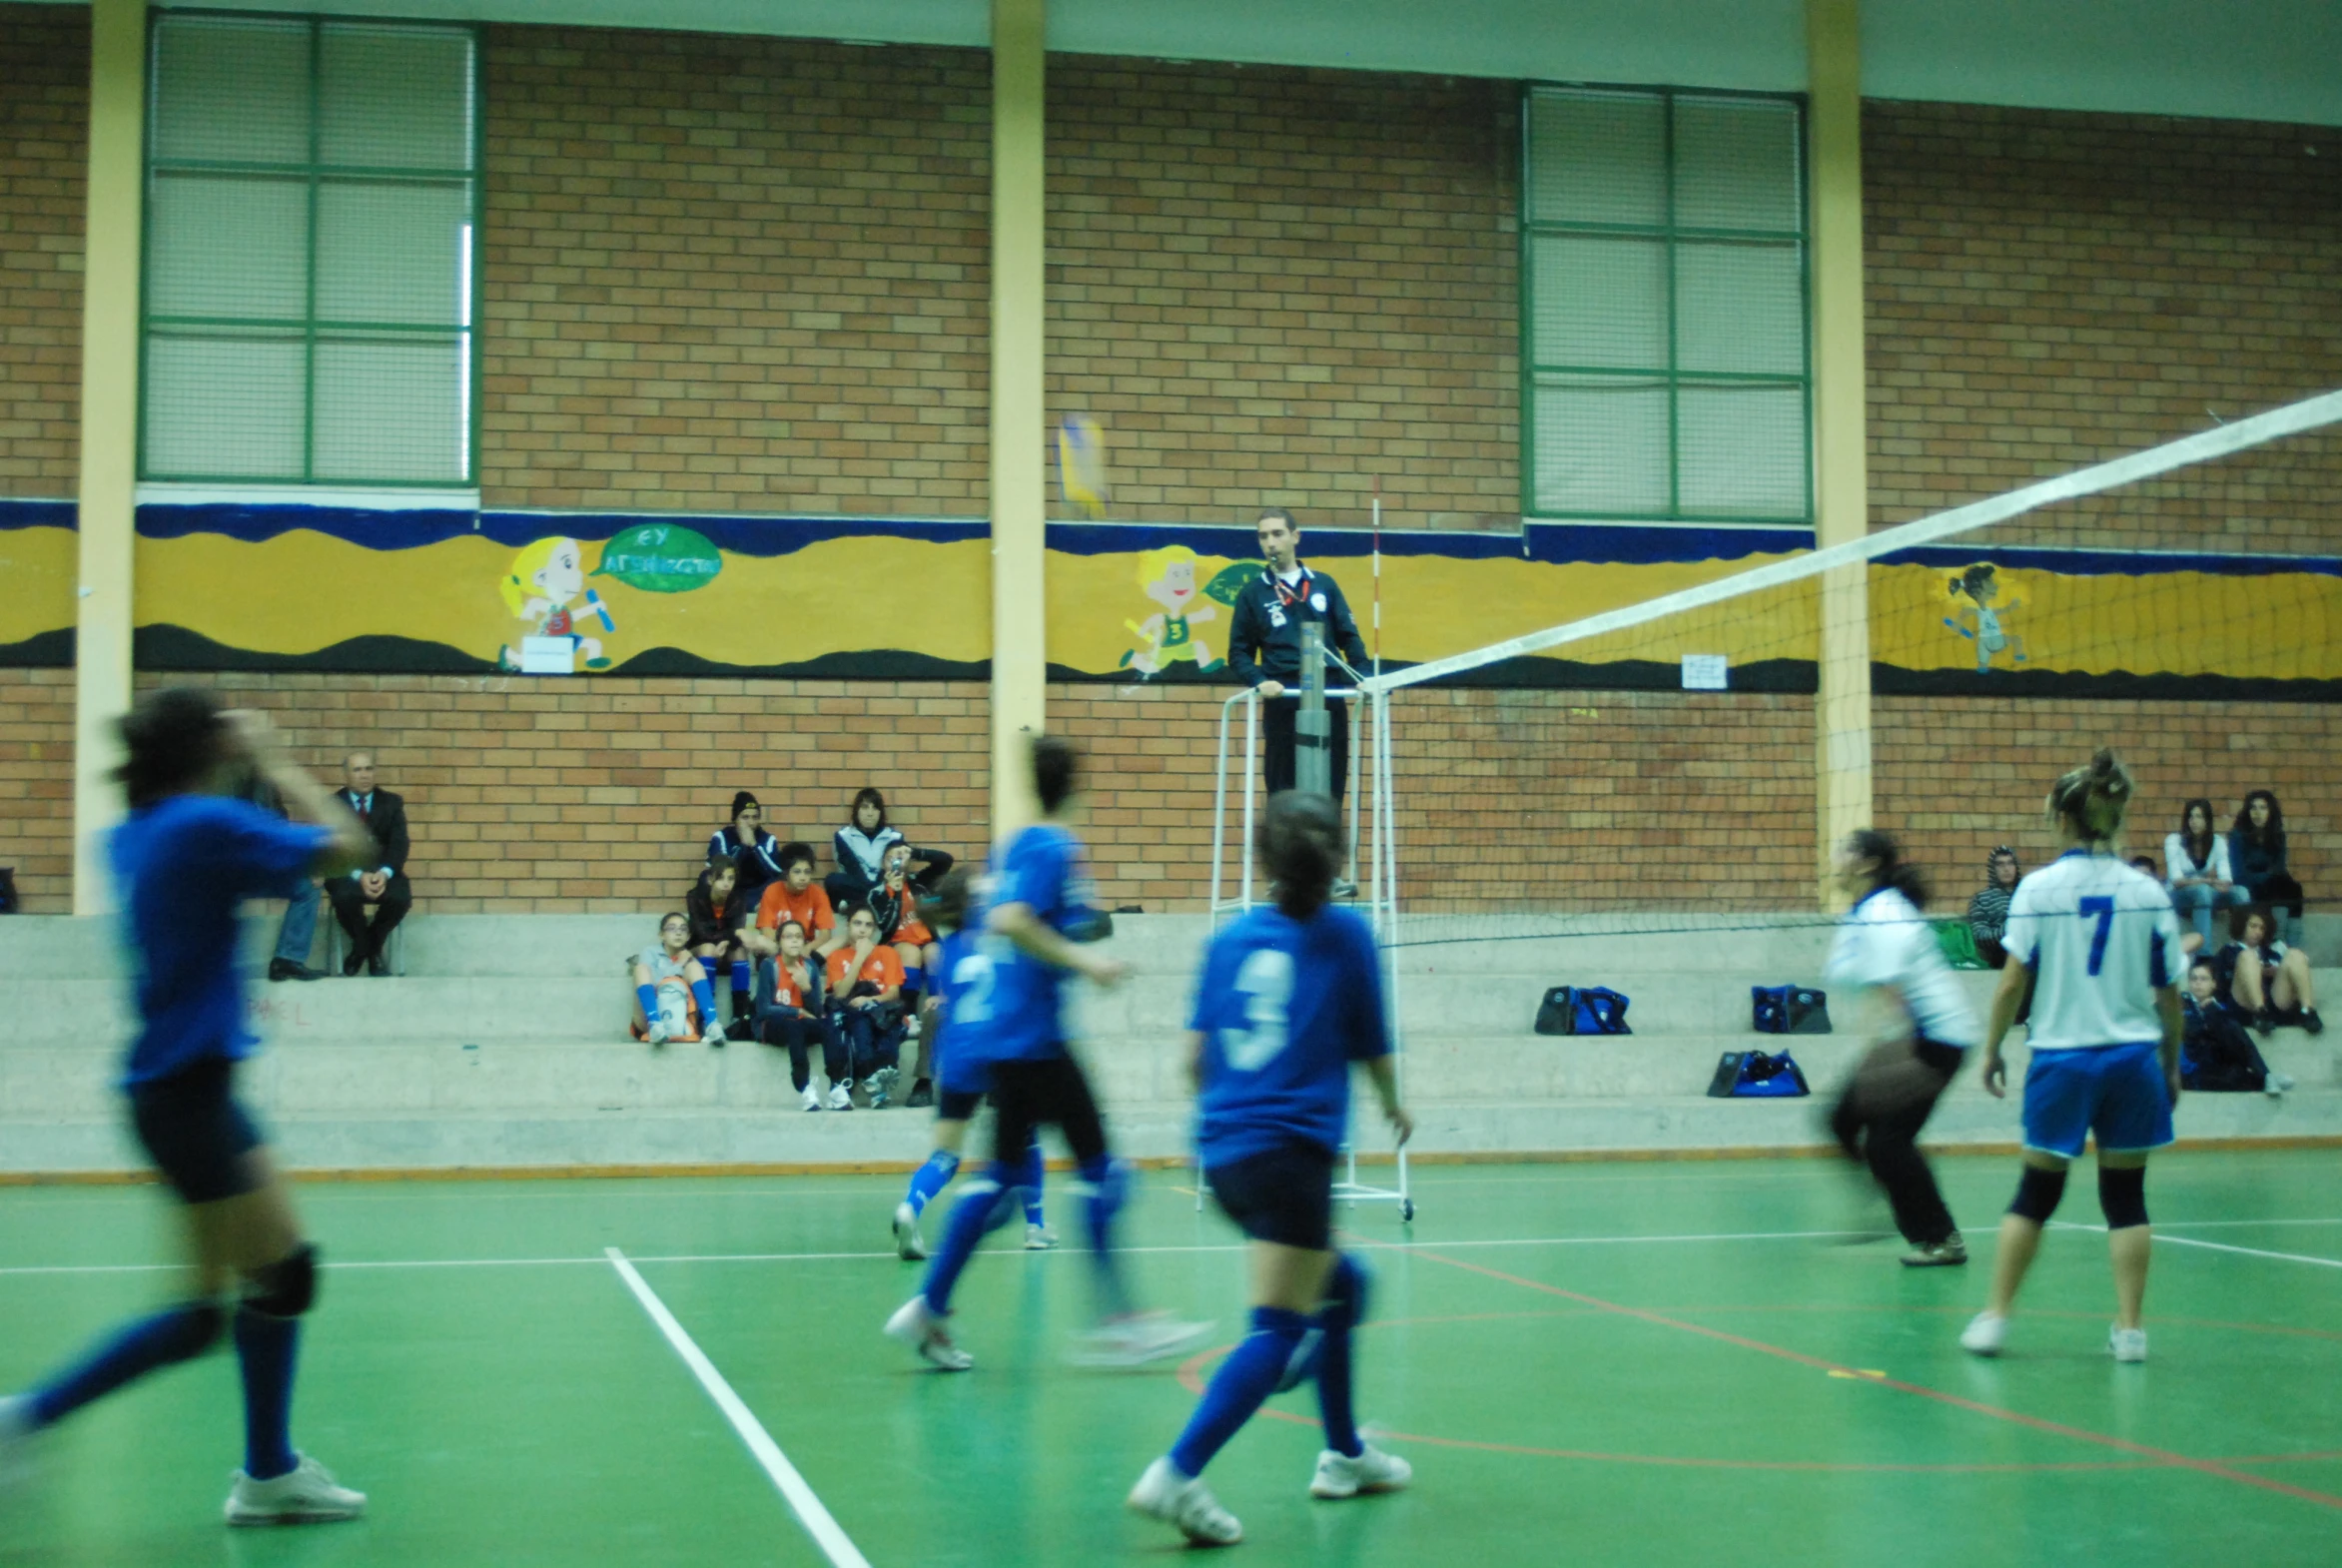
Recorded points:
(826, 1534)
(2249, 1252)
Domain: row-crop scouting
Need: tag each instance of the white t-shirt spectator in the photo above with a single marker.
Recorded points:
(2102, 939)
(1885, 941)
(2178, 865)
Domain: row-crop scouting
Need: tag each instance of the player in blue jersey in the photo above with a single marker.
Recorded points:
(1290, 998)
(188, 853)
(1008, 1024)
(965, 967)
(2096, 946)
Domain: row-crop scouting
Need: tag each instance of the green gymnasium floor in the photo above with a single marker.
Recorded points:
(1623, 1363)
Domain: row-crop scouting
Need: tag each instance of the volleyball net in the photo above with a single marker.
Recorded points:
(1657, 765)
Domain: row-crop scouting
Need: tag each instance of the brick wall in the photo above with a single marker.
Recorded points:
(2047, 290)
(1957, 777)
(735, 273)
(585, 796)
(36, 786)
(44, 151)
(1280, 285)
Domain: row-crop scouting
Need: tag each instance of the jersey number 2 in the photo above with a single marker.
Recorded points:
(973, 976)
(1265, 982)
(2103, 908)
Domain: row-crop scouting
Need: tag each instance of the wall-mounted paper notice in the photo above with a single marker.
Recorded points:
(1704, 672)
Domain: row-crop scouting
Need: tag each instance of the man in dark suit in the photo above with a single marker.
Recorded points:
(384, 886)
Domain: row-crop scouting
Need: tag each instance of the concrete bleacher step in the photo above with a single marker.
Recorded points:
(504, 1047)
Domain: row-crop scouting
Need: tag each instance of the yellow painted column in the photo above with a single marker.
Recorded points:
(1842, 759)
(109, 431)
(1019, 422)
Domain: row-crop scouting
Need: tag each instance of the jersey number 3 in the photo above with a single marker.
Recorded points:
(1265, 982)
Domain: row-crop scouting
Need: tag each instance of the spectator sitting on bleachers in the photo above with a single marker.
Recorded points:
(865, 1002)
(2256, 850)
(385, 886)
(672, 997)
(1987, 912)
(2200, 879)
(861, 848)
(2262, 979)
(790, 1013)
(794, 896)
(714, 941)
(754, 853)
(2216, 1056)
(895, 904)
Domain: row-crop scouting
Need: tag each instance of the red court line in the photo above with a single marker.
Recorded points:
(2162, 1456)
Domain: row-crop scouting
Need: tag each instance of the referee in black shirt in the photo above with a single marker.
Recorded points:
(1264, 647)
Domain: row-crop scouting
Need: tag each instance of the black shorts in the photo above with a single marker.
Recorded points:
(1028, 1095)
(1284, 1195)
(196, 1132)
(958, 1104)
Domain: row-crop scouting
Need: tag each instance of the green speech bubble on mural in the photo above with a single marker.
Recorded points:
(661, 557)
(1230, 579)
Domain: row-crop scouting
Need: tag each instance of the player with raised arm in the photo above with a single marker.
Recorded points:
(964, 969)
(1289, 999)
(1887, 947)
(1040, 912)
(2096, 946)
(186, 855)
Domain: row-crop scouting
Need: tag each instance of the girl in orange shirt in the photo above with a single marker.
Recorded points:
(866, 1006)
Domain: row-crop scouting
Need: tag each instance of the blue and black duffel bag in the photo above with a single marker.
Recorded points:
(1583, 1009)
(1788, 1010)
(1755, 1075)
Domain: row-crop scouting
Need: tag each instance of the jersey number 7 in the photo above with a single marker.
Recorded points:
(2103, 908)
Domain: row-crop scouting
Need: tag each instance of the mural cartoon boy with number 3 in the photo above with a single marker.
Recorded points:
(547, 578)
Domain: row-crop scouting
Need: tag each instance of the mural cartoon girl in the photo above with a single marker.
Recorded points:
(1979, 585)
(546, 577)
(1168, 576)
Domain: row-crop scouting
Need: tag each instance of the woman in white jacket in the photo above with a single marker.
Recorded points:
(2195, 865)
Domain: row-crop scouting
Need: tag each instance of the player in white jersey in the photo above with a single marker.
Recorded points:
(2095, 945)
(1887, 947)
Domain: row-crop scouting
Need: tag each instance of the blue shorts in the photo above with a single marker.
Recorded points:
(1285, 1195)
(2116, 1092)
(196, 1132)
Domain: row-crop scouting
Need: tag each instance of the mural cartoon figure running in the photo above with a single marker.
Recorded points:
(549, 577)
(1979, 585)
(1168, 576)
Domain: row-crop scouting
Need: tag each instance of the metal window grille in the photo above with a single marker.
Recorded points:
(1666, 369)
(313, 198)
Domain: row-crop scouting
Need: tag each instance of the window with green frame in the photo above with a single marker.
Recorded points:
(313, 193)
(1664, 345)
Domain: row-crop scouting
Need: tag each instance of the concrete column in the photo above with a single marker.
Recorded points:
(1842, 761)
(109, 431)
(1019, 424)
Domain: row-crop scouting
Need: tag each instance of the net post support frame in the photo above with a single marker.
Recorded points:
(1313, 767)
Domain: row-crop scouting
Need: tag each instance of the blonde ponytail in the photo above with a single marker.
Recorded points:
(2091, 801)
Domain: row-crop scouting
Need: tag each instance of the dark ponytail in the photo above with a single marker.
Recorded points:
(1300, 838)
(1893, 870)
(172, 740)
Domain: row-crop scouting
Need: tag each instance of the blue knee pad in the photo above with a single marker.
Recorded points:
(2122, 1195)
(2037, 1195)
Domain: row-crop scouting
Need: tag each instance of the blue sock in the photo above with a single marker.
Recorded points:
(1345, 1309)
(1109, 1182)
(740, 982)
(179, 1333)
(1244, 1380)
(931, 1179)
(703, 992)
(982, 1209)
(648, 996)
(265, 1352)
(1029, 1172)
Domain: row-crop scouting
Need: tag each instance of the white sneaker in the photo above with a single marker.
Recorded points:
(655, 1035)
(17, 1434)
(882, 1084)
(841, 1097)
(713, 1035)
(913, 1324)
(1986, 1333)
(1137, 1339)
(1185, 1504)
(1040, 1239)
(812, 1098)
(2276, 1084)
(909, 1246)
(306, 1494)
(1340, 1475)
(2127, 1344)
